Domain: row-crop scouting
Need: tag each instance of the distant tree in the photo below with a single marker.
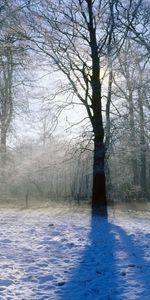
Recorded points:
(6, 102)
(13, 54)
(131, 89)
(135, 19)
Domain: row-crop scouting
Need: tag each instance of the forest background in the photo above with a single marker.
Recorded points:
(46, 133)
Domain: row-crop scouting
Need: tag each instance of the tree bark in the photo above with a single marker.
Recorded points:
(6, 97)
(132, 138)
(142, 145)
(99, 202)
(3, 143)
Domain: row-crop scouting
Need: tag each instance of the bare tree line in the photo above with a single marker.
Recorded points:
(102, 50)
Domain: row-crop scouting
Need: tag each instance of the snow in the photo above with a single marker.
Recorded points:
(68, 255)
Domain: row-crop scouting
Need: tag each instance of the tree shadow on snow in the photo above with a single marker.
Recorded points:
(112, 267)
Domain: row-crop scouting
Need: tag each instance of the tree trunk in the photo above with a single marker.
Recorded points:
(6, 101)
(3, 144)
(142, 145)
(99, 202)
(132, 137)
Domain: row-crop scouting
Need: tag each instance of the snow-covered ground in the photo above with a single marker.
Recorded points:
(71, 256)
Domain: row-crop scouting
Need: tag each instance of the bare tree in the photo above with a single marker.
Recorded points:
(131, 87)
(6, 106)
(75, 35)
(13, 54)
(135, 19)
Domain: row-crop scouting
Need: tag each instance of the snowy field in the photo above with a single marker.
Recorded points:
(71, 256)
